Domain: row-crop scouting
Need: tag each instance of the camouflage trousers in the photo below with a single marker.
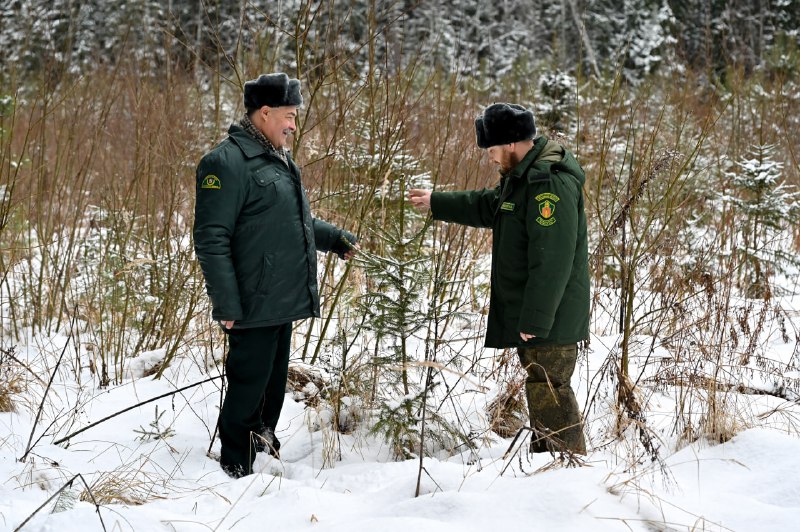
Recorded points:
(551, 401)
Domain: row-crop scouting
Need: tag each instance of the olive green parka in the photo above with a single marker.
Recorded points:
(540, 272)
(255, 237)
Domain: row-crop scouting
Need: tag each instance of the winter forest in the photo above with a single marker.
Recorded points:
(685, 116)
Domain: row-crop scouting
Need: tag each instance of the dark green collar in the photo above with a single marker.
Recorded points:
(529, 159)
(249, 146)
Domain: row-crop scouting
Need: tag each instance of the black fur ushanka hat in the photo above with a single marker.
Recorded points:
(274, 90)
(504, 123)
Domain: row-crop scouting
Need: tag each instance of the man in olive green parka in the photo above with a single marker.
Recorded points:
(257, 243)
(539, 299)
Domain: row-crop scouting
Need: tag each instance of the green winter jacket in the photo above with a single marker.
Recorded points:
(540, 271)
(255, 237)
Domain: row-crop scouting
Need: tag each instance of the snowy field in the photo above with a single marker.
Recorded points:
(686, 123)
(751, 482)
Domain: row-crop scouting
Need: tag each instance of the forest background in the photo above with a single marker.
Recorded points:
(684, 115)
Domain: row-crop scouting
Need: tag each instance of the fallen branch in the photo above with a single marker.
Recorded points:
(87, 427)
(711, 384)
(44, 397)
(62, 488)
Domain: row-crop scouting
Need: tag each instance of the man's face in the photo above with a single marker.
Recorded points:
(278, 124)
(503, 156)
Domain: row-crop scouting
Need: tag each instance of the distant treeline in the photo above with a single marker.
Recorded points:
(471, 37)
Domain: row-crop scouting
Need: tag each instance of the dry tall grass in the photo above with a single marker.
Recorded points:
(97, 183)
(11, 384)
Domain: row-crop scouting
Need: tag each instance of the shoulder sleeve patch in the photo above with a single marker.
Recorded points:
(547, 209)
(211, 182)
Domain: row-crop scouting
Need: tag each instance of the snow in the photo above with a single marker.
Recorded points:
(751, 482)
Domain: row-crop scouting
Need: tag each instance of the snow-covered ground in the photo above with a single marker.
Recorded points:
(751, 482)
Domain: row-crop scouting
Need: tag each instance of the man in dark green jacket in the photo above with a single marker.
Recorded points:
(257, 242)
(540, 276)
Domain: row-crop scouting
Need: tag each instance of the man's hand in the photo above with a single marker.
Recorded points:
(346, 246)
(420, 198)
(526, 337)
(228, 324)
(350, 253)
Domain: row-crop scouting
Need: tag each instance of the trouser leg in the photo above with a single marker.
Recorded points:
(274, 394)
(252, 359)
(551, 400)
(275, 390)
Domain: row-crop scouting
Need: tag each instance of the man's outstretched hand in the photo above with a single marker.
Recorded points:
(350, 253)
(420, 198)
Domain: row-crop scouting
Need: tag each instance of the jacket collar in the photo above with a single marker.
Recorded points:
(252, 148)
(249, 146)
(529, 159)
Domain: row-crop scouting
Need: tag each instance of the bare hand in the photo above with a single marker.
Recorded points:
(228, 324)
(526, 337)
(420, 198)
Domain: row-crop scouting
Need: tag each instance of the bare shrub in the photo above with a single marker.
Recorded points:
(11, 380)
(507, 412)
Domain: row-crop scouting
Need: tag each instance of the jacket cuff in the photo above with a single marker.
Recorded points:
(230, 311)
(226, 316)
(439, 204)
(340, 245)
(534, 322)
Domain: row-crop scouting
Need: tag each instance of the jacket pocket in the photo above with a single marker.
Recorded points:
(267, 273)
(265, 192)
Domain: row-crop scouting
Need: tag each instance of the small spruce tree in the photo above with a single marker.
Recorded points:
(766, 206)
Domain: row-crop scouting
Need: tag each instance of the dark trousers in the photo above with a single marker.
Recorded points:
(257, 368)
(551, 401)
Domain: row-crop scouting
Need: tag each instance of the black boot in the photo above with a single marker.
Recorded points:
(266, 441)
(233, 471)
